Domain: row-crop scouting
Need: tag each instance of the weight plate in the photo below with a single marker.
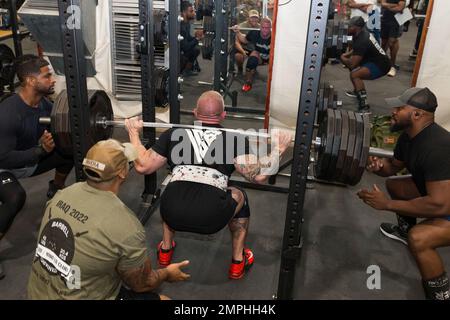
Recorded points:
(336, 143)
(353, 176)
(343, 147)
(365, 149)
(326, 134)
(350, 147)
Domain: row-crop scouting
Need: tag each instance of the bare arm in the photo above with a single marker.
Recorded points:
(238, 46)
(435, 204)
(258, 170)
(351, 61)
(144, 278)
(239, 35)
(148, 161)
(362, 6)
(384, 167)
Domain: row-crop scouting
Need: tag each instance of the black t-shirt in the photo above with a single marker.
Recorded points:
(189, 42)
(209, 148)
(365, 45)
(20, 132)
(261, 45)
(426, 156)
(387, 15)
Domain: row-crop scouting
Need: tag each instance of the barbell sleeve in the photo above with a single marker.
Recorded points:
(382, 153)
(45, 121)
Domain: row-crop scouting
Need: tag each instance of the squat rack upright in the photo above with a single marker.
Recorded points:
(78, 105)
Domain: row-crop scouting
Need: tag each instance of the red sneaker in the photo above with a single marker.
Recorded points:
(165, 258)
(237, 270)
(246, 87)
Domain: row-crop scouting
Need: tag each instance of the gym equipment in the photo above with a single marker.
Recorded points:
(337, 40)
(342, 141)
(7, 70)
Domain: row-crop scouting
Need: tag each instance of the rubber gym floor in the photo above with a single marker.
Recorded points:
(341, 236)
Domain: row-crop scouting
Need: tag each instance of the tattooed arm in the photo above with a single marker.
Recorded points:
(258, 170)
(144, 278)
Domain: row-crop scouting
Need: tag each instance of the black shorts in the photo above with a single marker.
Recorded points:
(196, 207)
(390, 29)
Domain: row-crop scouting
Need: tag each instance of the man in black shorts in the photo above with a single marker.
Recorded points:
(260, 40)
(26, 147)
(366, 61)
(197, 198)
(424, 149)
(391, 31)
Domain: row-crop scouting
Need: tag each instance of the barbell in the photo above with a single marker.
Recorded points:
(337, 39)
(342, 142)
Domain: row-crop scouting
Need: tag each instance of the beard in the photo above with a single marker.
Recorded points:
(45, 90)
(400, 125)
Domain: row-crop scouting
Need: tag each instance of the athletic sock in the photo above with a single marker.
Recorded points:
(437, 288)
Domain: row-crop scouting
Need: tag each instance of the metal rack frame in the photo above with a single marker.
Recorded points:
(292, 239)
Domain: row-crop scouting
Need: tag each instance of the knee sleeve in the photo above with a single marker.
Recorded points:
(252, 63)
(12, 197)
(245, 210)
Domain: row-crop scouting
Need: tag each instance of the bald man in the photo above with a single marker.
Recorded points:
(198, 198)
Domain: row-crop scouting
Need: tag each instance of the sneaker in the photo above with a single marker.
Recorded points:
(392, 72)
(52, 189)
(351, 93)
(2, 271)
(165, 256)
(237, 270)
(393, 231)
(246, 87)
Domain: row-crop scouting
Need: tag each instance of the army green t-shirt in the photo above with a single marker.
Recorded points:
(85, 235)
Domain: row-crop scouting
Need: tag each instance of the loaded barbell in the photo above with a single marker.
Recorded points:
(342, 142)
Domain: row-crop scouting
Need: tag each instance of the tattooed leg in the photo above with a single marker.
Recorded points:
(238, 228)
(168, 235)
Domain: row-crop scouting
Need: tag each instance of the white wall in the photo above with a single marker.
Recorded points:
(434, 71)
(290, 44)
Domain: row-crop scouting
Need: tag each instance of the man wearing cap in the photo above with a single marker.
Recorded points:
(261, 41)
(198, 199)
(90, 245)
(424, 149)
(245, 49)
(366, 61)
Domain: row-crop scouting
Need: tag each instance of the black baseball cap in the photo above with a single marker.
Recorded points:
(357, 21)
(420, 98)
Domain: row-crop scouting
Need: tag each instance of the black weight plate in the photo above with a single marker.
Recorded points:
(60, 125)
(365, 149)
(7, 70)
(343, 147)
(353, 176)
(161, 87)
(350, 147)
(336, 144)
(319, 105)
(326, 134)
(99, 108)
(324, 105)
